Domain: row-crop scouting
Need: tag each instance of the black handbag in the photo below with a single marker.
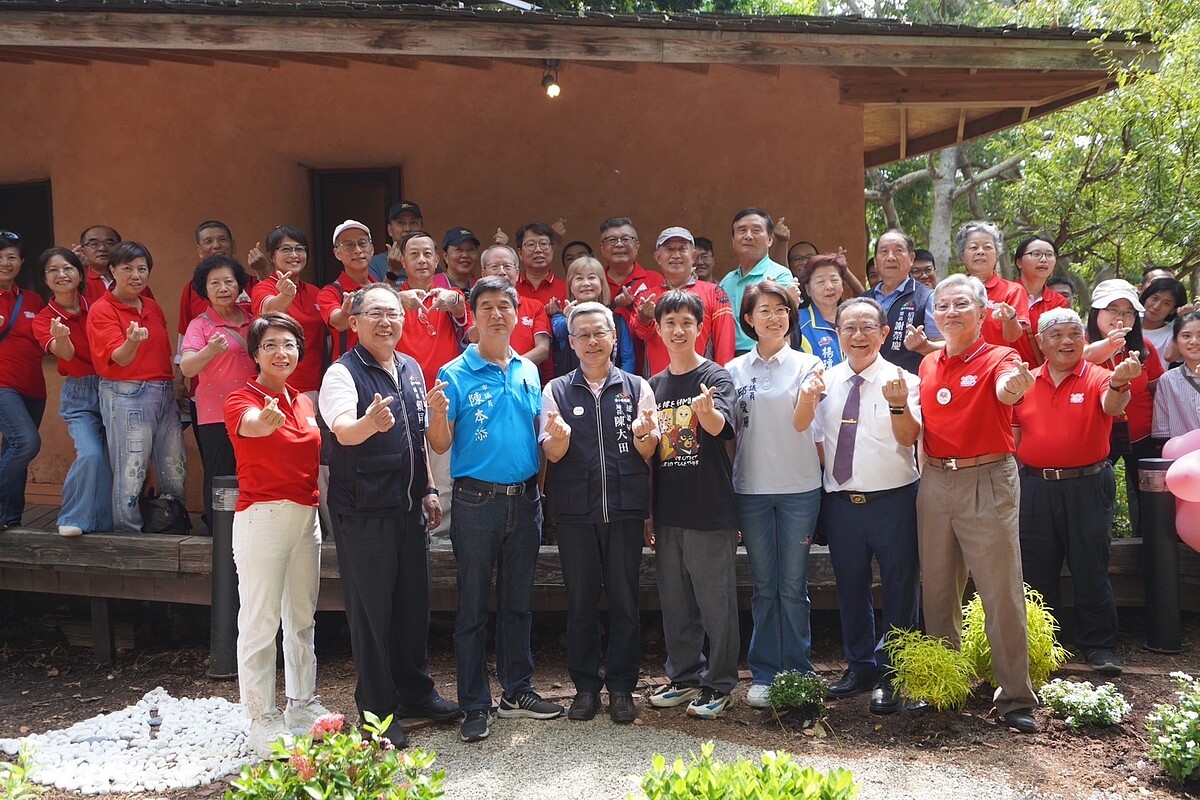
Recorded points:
(163, 513)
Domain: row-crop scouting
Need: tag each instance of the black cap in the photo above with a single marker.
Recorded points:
(456, 236)
(404, 205)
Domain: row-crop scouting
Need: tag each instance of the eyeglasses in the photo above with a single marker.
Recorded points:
(1040, 255)
(272, 347)
(360, 244)
(867, 328)
(590, 337)
(296, 249)
(96, 244)
(611, 240)
(1131, 314)
(958, 305)
(67, 270)
(535, 246)
(923, 270)
(376, 315)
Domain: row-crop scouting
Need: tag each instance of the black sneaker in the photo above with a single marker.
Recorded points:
(476, 727)
(1105, 662)
(529, 705)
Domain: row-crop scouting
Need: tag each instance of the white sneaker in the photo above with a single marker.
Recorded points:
(263, 732)
(757, 696)
(301, 714)
(70, 530)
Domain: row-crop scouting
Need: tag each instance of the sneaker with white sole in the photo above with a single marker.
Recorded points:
(757, 697)
(476, 726)
(710, 704)
(70, 530)
(674, 694)
(263, 732)
(529, 705)
(301, 714)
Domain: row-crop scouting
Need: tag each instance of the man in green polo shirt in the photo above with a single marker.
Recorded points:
(753, 232)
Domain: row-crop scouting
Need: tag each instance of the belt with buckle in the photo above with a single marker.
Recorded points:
(964, 463)
(1065, 474)
(507, 489)
(862, 498)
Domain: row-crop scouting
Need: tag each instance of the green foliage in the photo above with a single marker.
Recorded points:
(14, 780)
(928, 669)
(1122, 527)
(1045, 653)
(776, 777)
(800, 690)
(1082, 704)
(331, 763)
(1175, 731)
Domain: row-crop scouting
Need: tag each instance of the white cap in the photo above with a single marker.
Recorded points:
(349, 225)
(1106, 292)
(674, 233)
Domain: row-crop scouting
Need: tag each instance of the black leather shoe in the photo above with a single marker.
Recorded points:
(885, 699)
(396, 735)
(1022, 720)
(852, 683)
(621, 707)
(439, 709)
(584, 706)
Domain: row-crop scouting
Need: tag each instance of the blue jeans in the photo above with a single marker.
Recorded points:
(778, 530)
(20, 417)
(87, 495)
(493, 531)
(141, 422)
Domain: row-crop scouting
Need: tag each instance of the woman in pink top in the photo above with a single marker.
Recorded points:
(214, 351)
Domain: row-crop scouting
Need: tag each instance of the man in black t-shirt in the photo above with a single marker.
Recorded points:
(694, 527)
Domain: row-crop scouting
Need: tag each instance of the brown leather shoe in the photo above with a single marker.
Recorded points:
(584, 706)
(621, 707)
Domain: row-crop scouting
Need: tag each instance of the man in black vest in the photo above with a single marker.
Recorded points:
(908, 304)
(599, 425)
(383, 501)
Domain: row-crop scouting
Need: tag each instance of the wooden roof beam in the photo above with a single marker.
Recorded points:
(49, 54)
(982, 90)
(388, 61)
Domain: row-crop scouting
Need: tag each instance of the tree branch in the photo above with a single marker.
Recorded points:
(988, 174)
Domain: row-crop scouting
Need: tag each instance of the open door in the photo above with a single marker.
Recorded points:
(340, 194)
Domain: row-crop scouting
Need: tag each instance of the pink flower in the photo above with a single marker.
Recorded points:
(330, 723)
(304, 767)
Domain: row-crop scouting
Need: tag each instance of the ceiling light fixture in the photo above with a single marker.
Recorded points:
(550, 78)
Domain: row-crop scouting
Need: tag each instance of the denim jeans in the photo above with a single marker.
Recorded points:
(502, 532)
(20, 417)
(87, 495)
(141, 422)
(778, 530)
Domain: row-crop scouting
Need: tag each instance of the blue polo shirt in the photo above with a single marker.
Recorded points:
(818, 337)
(494, 413)
(735, 284)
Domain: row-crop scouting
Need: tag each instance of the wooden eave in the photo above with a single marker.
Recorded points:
(920, 88)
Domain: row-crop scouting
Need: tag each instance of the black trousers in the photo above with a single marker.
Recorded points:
(1142, 448)
(605, 555)
(216, 454)
(1071, 520)
(384, 565)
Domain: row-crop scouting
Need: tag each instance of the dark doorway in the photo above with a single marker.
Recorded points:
(26, 209)
(341, 194)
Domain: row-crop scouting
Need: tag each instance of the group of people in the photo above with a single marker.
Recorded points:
(967, 428)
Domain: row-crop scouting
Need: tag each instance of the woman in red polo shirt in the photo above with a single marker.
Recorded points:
(60, 329)
(276, 540)
(287, 250)
(131, 351)
(22, 385)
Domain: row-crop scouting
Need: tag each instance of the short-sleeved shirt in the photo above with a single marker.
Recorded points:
(716, 341)
(1002, 291)
(1038, 305)
(772, 457)
(305, 310)
(108, 319)
(433, 350)
(283, 465)
(1140, 411)
(693, 477)
(80, 365)
(329, 299)
(962, 415)
(552, 287)
(494, 412)
(735, 285)
(637, 281)
(1064, 426)
(96, 286)
(227, 371)
(20, 354)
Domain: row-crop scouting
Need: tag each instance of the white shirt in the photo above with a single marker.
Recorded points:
(880, 462)
(771, 457)
(339, 395)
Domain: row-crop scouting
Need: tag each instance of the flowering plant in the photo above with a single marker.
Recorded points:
(1175, 731)
(1083, 704)
(331, 762)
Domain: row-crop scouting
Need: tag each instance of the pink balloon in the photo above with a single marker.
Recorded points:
(1183, 477)
(1187, 524)
(1181, 445)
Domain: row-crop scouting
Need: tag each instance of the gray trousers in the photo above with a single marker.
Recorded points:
(697, 588)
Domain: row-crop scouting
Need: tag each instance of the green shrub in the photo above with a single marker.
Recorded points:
(1082, 704)
(804, 691)
(928, 669)
(776, 777)
(1045, 653)
(1175, 731)
(14, 780)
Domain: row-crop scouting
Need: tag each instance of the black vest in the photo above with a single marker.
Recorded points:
(908, 309)
(601, 478)
(385, 474)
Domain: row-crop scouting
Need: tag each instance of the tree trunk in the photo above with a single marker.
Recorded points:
(944, 166)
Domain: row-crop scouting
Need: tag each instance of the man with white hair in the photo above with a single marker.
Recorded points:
(1067, 487)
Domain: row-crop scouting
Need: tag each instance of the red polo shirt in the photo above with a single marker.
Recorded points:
(1039, 305)
(433, 350)
(80, 366)
(717, 340)
(20, 355)
(1140, 410)
(283, 465)
(639, 280)
(107, 321)
(1002, 291)
(552, 287)
(306, 310)
(1064, 426)
(329, 299)
(532, 320)
(960, 412)
(94, 287)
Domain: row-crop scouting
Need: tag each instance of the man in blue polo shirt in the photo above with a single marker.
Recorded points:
(485, 410)
(753, 233)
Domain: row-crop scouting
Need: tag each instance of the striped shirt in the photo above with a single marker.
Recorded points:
(1176, 404)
